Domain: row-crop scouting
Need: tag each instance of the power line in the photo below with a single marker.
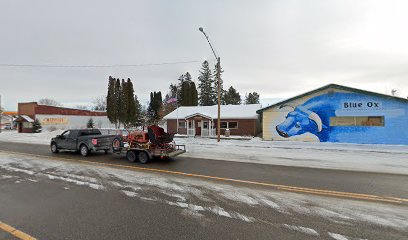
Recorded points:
(95, 66)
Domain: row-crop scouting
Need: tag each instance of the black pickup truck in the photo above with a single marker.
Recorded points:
(82, 140)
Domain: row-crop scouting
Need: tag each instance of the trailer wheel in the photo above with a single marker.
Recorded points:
(143, 157)
(131, 156)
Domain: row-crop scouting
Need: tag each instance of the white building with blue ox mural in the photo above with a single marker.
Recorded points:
(335, 113)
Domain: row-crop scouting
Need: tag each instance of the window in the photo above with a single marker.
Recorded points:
(65, 134)
(229, 125)
(205, 125)
(357, 121)
(182, 124)
(232, 125)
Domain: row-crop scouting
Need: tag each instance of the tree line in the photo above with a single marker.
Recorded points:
(122, 105)
(206, 93)
(124, 109)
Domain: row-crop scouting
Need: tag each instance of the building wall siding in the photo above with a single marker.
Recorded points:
(336, 103)
(246, 127)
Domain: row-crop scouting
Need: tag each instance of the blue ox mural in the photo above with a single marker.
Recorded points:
(314, 115)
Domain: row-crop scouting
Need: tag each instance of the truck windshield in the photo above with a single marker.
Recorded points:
(90, 132)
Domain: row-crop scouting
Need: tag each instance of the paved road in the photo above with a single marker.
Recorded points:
(51, 199)
(380, 184)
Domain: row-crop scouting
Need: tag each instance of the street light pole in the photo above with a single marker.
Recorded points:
(218, 81)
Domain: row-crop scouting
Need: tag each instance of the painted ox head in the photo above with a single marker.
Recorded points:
(300, 120)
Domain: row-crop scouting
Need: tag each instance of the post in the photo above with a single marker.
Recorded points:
(177, 113)
(219, 99)
(219, 87)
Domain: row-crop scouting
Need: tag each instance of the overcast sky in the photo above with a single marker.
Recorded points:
(277, 48)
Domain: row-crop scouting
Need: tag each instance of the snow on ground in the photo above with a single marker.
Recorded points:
(355, 157)
(35, 138)
(198, 198)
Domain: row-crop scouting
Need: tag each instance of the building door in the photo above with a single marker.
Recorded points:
(198, 128)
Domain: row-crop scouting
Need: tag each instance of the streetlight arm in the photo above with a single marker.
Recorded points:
(208, 40)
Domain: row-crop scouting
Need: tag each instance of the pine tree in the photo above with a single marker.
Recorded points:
(37, 126)
(130, 116)
(194, 94)
(206, 86)
(110, 100)
(222, 91)
(118, 102)
(123, 105)
(232, 97)
(140, 118)
(155, 107)
(252, 98)
(90, 123)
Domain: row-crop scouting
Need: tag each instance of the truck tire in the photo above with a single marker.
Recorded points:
(83, 149)
(54, 148)
(143, 157)
(131, 156)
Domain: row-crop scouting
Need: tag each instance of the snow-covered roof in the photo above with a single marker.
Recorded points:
(27, 118)
(227, 111)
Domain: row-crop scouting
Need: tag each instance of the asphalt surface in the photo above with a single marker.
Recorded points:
(55, 201)
(58, 209)
(380, 184)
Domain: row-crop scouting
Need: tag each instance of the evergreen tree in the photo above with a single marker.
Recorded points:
(111, 101)
(129, 103)
(37, 126)
(222, 91)
(140, 118)
(155, 107)
(194, 94)
(123, 105)
(206, 86)
(90, 123)
(232, 97)
(252, 98)
(118, 102)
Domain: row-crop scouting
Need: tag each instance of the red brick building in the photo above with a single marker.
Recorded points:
(52, 118)
(240, 120)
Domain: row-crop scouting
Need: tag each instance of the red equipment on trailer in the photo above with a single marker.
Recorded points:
(143, 146)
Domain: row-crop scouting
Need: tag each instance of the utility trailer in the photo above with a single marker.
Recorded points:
(143, 146)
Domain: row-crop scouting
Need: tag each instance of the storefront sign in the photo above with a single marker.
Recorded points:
(362, 105)
(54, 121)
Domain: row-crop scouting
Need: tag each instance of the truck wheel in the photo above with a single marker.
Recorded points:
(131, 156)
(54, 148)
(143, 157)
(84, 150)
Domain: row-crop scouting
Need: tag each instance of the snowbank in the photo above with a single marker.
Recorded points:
(355, 157)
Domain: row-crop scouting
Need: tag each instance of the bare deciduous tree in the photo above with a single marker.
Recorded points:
(99, 103)
(49, 102)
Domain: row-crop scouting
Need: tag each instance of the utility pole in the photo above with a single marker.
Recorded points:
(218, 81)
